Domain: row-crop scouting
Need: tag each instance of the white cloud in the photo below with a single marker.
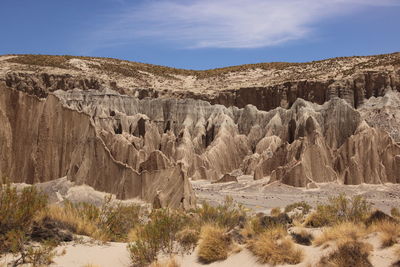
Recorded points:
(227, 23)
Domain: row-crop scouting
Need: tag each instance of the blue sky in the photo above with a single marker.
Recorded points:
(201, 34)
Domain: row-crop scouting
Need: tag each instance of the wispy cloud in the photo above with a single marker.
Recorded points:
(227, 23)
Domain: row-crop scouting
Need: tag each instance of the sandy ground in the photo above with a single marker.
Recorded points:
(256, 195)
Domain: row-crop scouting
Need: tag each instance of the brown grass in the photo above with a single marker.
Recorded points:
(70, 219)
(348, 254)
(302, 237)
(275, 211)
(389, 232)
(214, 244)
(395, 212)
(341, 232)
(275, 247)
(188, 238)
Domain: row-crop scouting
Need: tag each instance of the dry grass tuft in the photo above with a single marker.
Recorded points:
(188, 238)
(275, 211)
(395, 212)
(389, 232)
(171, 262)
(91, 265)
(340, 209)
(348, 254)
(302, 237)
(346, 231)
(274, 246)
(214, 244)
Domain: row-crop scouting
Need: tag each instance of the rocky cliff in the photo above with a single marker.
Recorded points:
(142, 131)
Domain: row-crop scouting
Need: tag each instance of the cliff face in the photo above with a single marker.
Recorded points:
(109, 132)
(42, 139)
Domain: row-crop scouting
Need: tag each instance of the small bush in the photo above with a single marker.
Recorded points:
(159, 234)
(116, 220)
(341, 232)
(252, 227)
(188, 238)
(302, 237)
(111, 222)
(230, 214)
(274, 247)
(389, 232)
(214, 244)
(395, 212)
(340, 209)
(275, 211)
(27, 253)
(348, 254)
(17, 212)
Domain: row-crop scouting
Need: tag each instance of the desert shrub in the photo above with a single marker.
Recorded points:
(341, 232)
(116, 220)
(395, 212)
(17, 212)
(110, 222)
(302, 237)
(275, 211)
(304, 206)
(340, 209)
(348, 254)
(275, 247)
(379, 216)
(281, 220)
(25, 252)
(229, 214)
(214, 244)
(159, 234)
(188, 238)
(252, 227)
(389, 232)
(69, 217)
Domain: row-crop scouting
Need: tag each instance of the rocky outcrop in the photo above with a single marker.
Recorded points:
(147, 144)
(42, 140)
(265, 86)
(159, 143)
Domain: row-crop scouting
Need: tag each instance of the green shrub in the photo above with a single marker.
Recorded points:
(188, 238)
(340, 209)
(110, 222)
(115, 221)
(17, 212)
(229, 214)
(158, 235)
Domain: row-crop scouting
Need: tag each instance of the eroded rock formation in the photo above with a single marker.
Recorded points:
(147, 143)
